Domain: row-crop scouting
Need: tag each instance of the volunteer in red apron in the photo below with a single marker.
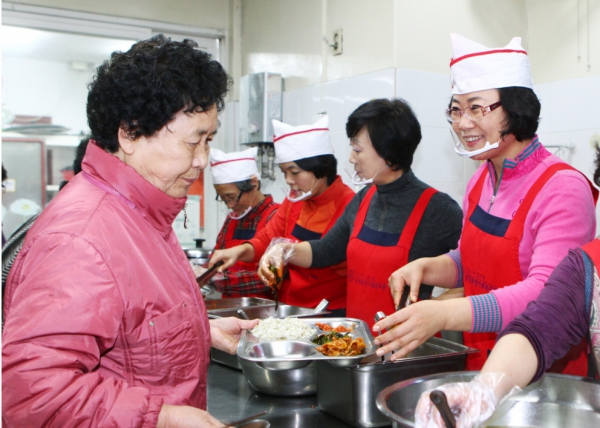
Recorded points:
(237, 182)
(524, 209)
(397, 218)
(316, 198)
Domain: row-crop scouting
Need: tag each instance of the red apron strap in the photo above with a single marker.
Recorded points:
(517, 224)
(413, 222)
(265, 216)
(291, 217)
(230, 230)
(362, 212)
(592, 249)
(475, 193)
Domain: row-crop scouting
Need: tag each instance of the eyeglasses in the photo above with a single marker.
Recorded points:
(474, 113)
(227, 198)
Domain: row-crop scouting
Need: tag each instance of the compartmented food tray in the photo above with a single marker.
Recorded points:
(293, 354)
(253, 312)
(215, 306)
(350, 394)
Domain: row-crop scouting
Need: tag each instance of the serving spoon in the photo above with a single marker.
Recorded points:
(241, 421)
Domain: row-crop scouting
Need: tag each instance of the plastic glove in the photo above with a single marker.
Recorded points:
(276, 256)
(472, 403)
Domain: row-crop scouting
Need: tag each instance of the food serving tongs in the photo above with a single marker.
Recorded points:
(401, 305)
(210, 272)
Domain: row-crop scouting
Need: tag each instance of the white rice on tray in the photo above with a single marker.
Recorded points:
(283, 329)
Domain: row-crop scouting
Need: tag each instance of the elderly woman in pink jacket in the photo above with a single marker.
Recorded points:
(524, 208)
(104, 322)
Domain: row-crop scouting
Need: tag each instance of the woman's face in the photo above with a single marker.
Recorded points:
(172, 158)
(367, 163)
(233, 197)
(474, 135)
(301, 181)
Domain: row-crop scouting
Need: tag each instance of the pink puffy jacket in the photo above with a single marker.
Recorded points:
(104, 320)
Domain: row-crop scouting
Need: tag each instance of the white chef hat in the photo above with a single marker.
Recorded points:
(475, 67)
(300, 142)
(233, 167)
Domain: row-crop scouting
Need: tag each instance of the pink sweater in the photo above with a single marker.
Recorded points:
(561, 218)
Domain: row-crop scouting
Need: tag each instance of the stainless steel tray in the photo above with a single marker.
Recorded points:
(214, 306)
(293, 354)
(260, 312)
(350, 394)
(552, 402)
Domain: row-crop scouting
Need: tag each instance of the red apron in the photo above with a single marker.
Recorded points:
(371, 265)
(306, 287)
(484, 274)
(231, 241)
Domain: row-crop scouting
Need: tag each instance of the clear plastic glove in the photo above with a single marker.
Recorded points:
(472, 403)
(276, 256)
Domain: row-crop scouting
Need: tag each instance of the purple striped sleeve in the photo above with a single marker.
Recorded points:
(455, 256)
(487, 316)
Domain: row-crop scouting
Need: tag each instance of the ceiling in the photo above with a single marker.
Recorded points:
(62, 47)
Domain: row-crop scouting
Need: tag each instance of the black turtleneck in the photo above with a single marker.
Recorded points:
(390, 208)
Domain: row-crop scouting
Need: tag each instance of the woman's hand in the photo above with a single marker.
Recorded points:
(410, 327)
(226, 332)
(472, 403)
(230, 256)
(270, 266)
(185, 417)
(413, 325)
(410, 275)
(439, 271)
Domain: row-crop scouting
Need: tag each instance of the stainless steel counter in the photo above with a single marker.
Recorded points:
(230, 397)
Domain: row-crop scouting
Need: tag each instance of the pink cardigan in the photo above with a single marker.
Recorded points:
(561, 218)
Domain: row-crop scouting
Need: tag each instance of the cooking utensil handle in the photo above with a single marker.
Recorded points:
(403, 298)
(441, 402)
(209, 273)
(321, 306)
(243, 314)
(241, 421)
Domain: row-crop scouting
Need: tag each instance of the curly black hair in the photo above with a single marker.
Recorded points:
(143, 89)
(393, 129)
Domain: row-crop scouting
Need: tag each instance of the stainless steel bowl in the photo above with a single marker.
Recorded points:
(283, 349)
(291, 382)
(555, 401)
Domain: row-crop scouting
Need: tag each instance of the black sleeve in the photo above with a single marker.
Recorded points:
(438, 232)
(331, 248)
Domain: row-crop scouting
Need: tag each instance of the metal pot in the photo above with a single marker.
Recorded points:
(198, 255)
(555, 401)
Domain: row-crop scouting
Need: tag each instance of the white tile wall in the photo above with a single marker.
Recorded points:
(570, 117)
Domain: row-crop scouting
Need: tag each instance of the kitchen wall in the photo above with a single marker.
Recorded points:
(401, 49)
(394, 48)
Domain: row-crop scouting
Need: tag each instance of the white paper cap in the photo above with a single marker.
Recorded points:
(475, 67)
(233, 167)
(300, 142)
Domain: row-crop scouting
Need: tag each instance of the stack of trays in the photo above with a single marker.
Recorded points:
(287, 367)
